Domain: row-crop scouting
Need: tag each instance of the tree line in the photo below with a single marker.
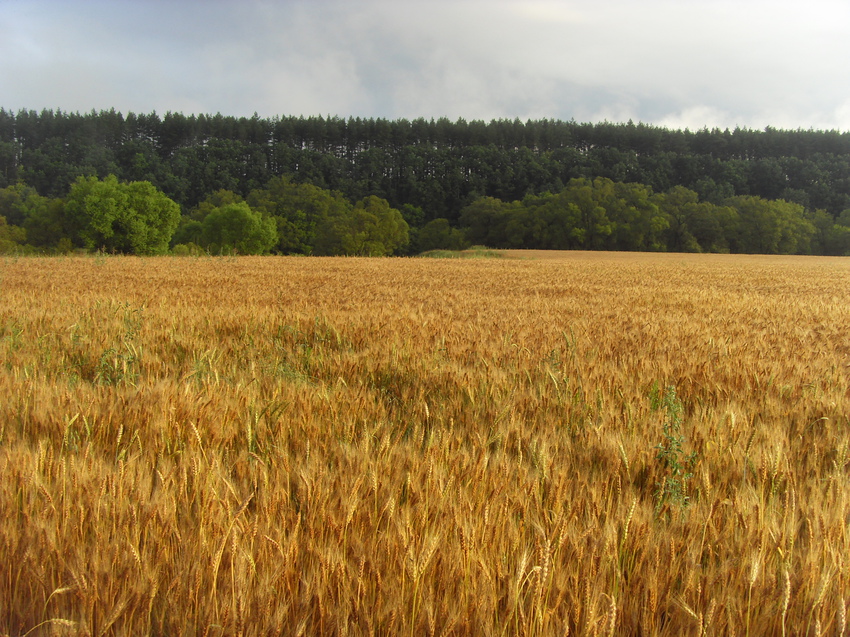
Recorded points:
(601, 214)
(137, 218)
(503, 183)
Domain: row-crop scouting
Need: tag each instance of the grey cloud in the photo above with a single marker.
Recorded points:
(701, 62)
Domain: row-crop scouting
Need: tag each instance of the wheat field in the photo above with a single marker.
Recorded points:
(548, 444)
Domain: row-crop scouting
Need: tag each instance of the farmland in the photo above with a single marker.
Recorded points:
(545, 444)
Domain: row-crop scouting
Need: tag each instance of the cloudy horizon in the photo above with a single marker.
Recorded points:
(673, 63)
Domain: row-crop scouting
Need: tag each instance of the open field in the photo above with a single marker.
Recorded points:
(583, 444)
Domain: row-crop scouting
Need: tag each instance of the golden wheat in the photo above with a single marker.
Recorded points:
(400, 446)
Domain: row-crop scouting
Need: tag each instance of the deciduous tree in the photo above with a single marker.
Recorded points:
(132, 218)
(237, 229)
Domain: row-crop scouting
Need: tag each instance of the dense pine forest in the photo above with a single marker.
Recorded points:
(146, 184)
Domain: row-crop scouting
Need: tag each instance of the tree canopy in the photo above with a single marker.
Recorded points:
(94, 180)
(235, 228)
(370, 228)
(133, 218)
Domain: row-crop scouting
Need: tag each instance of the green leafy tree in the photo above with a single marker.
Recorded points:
(236, 228)
(676, 205)
(414, 216)
(371, 228)
(16, 202)
(47, 226)
(188, 231)
(712, 192)
(153, 218)
(838, 242)
(557, 223)
(41, 217)
(772, 227)
(637, 222)
(391, 231)
(714, 227)
(131, 218)
(297, 210)
(12, 238)
(591, 197)
(216, 200)
(439, 235)
(485, 221)
(824, 231)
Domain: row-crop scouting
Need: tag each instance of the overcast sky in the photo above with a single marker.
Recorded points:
(675, 63)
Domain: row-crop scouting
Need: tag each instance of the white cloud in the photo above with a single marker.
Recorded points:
(841, 116)
(675, 63)
(696, 118)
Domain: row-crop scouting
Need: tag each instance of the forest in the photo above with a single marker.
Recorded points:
(151, 184)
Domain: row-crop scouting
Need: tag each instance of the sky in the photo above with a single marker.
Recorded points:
(673, 63)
